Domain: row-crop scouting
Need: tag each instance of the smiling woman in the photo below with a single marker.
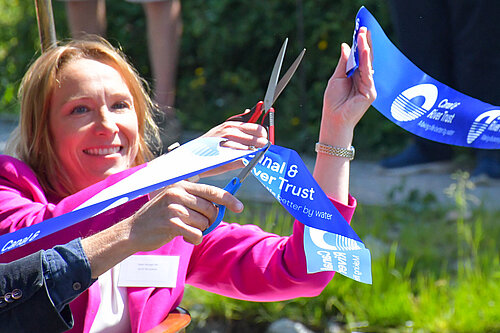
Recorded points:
(86, 121)
(97, 65)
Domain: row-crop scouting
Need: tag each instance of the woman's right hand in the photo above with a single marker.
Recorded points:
(181, 209)
(239, 135)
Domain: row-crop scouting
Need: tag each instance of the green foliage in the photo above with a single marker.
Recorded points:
(18, 44)
(431, 272)
(234, 44)
(227, 53)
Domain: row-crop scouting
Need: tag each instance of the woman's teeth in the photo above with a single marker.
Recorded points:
(102, 151)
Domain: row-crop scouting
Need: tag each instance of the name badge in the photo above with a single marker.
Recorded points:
(149, 271)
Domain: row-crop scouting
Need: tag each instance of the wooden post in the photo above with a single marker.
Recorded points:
(46, 26)
(301, 71)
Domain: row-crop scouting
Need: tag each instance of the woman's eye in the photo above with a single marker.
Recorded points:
(120, 106)
(80, 109)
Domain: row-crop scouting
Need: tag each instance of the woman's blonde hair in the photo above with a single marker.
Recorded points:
(32, 141)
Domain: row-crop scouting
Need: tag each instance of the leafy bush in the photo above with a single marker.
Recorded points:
(18, 45)
(236, 43)
(227, 53)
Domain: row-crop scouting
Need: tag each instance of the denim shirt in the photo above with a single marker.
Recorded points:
(67, 273)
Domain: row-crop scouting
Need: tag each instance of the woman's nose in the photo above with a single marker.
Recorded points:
(105, 122)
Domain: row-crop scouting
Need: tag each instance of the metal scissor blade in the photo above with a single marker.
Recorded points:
(246, 171)
(273, 81)
(288, 75)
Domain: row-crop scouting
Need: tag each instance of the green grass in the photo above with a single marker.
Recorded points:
(431, 272)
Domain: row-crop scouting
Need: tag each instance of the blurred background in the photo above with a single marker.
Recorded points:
(227, 52)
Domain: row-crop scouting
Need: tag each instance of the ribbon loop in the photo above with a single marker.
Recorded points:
(330, 244)
(420, 104)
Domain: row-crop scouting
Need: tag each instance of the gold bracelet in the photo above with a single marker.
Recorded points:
(335, 151)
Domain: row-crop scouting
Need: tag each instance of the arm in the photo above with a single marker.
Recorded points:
(37, 288)
(245, 262)
(47, 280)
(182, 209)
(345, 102)
(261, 266)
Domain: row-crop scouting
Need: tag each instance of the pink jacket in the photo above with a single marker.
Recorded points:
(239, 261)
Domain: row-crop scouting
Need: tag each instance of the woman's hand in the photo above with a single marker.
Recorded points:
(346, 99)
(240, 135)
(181, 209)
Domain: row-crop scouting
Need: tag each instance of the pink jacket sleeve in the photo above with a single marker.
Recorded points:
(23, 202)
(244, 262)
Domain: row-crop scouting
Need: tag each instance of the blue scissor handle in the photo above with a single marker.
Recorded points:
(232, 187)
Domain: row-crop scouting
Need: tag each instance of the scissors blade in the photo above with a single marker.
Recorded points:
(273, 81)
(246, 171)
(288, 75)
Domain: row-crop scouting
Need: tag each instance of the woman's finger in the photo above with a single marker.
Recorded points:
(241, 135)
(190, 234)
(207, 195)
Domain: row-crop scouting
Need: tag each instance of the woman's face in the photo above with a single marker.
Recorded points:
(92, 122)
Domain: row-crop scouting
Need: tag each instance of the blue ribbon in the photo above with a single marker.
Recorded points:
(420, 104)
(330, 243)
(202, 147)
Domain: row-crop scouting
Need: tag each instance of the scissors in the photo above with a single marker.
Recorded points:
(235, 183)
(274, 89)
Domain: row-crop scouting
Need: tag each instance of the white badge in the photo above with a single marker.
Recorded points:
(149, 271)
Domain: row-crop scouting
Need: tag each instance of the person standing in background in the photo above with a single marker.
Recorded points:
(452, 42)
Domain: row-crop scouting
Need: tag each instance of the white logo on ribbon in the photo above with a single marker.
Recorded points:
(479, 126)
(342, 243)
(205, 149)
(403, 109)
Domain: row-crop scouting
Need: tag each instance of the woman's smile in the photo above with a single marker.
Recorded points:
(103, 151)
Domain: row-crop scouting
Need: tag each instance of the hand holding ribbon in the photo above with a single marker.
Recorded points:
(239, 135)
(346, 99)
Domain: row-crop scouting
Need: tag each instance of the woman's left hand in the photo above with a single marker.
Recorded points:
(346, 99)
